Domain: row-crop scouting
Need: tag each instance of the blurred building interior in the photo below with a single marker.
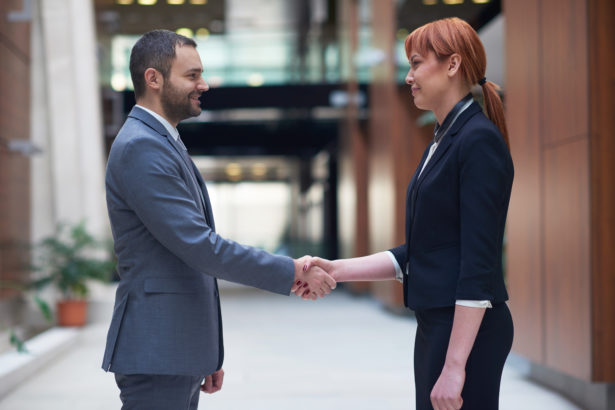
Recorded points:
(308, 138)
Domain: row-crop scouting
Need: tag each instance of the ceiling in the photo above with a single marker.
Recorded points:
(113, 18)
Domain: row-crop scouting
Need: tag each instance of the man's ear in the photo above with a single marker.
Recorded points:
(153, 78)
(454, 64)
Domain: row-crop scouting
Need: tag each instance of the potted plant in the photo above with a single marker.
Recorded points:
(68, 260)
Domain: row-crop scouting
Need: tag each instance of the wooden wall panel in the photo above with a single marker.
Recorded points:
(601, 42)
(384, 129)
(567, 259)
(523, 232)
(14, 125)
(564, 62)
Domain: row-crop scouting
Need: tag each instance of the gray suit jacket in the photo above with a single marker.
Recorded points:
(166, 318)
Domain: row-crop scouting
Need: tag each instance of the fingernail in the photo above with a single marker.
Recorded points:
(305, 284)
(304, 268)
(298, 282)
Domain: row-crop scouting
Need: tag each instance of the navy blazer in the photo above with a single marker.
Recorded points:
(455, 217)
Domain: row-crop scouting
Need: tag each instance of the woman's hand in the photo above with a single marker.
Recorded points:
(446, 393)
(303, 290)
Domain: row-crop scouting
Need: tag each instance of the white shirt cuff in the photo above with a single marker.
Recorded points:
(474, 303)
(399, 275)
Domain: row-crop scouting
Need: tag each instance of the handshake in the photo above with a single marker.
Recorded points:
(314, 277)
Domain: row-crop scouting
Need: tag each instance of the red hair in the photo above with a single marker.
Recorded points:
(448, 36)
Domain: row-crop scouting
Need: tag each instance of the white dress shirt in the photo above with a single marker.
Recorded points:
(167, 125)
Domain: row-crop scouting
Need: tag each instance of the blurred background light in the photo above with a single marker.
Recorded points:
(233, 171)
(214, 81)
(259, 170)
(184, 31)
(202, 33)
(118, 82)
(256, 80)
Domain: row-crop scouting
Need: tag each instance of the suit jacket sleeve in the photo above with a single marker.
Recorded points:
(155, 190)
(400, 253)
(485, 179)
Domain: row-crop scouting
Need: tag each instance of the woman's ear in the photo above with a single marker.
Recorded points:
(454, 63)
(153, 78)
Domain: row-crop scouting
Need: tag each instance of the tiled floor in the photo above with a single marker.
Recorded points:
(342, 352)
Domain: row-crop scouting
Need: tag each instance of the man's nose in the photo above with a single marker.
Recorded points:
(203, 86)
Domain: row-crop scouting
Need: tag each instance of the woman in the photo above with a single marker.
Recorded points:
(451, 263)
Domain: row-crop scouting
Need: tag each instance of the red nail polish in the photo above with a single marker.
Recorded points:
(304, 268)
(298, 282)
(305, 284)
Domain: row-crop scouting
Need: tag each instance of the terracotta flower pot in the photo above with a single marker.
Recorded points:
(72, 312)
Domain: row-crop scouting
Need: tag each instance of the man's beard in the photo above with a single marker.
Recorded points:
(176, 105)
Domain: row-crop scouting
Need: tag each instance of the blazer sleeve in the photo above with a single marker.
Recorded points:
(400, 253)
(154, 189)
(485, 180)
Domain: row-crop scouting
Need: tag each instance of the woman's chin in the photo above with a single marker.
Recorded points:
(418, 104)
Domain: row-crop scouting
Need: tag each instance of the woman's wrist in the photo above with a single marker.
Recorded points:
(337, 270)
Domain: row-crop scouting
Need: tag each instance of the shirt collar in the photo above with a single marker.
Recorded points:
(167, 125)
(443, 128)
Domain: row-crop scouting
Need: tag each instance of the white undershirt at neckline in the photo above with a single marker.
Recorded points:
(166, 124)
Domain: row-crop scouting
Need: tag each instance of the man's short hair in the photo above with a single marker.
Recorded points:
(155, 49)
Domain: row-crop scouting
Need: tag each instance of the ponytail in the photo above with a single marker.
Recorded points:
(495, 108)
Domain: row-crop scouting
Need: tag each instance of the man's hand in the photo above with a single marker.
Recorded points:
(311, 283)
(213, 382)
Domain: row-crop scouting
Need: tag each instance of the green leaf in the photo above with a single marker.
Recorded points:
(44, 308)
(17, 342)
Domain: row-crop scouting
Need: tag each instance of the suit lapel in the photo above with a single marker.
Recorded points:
(199, 184)
(447, 139)
(411, 194)
(445, 144)
(208, 210)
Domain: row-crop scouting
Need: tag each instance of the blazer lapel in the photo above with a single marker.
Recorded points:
(411, 195)
(447, 139)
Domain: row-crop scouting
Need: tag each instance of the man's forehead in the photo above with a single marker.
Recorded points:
(187, 56)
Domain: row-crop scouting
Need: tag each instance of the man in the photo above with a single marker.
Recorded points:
(165, 336)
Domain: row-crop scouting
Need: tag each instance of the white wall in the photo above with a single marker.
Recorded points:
(68, 177)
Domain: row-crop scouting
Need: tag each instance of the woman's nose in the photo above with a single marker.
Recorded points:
(409, 78)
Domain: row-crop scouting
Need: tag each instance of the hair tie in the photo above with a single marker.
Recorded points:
(482, 81)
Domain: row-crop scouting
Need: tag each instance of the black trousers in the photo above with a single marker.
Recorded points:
(158, 392)
(485, 363)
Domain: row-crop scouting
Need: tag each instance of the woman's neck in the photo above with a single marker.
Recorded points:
(448, 102)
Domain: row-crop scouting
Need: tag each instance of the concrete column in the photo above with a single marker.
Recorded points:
(68, 178)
